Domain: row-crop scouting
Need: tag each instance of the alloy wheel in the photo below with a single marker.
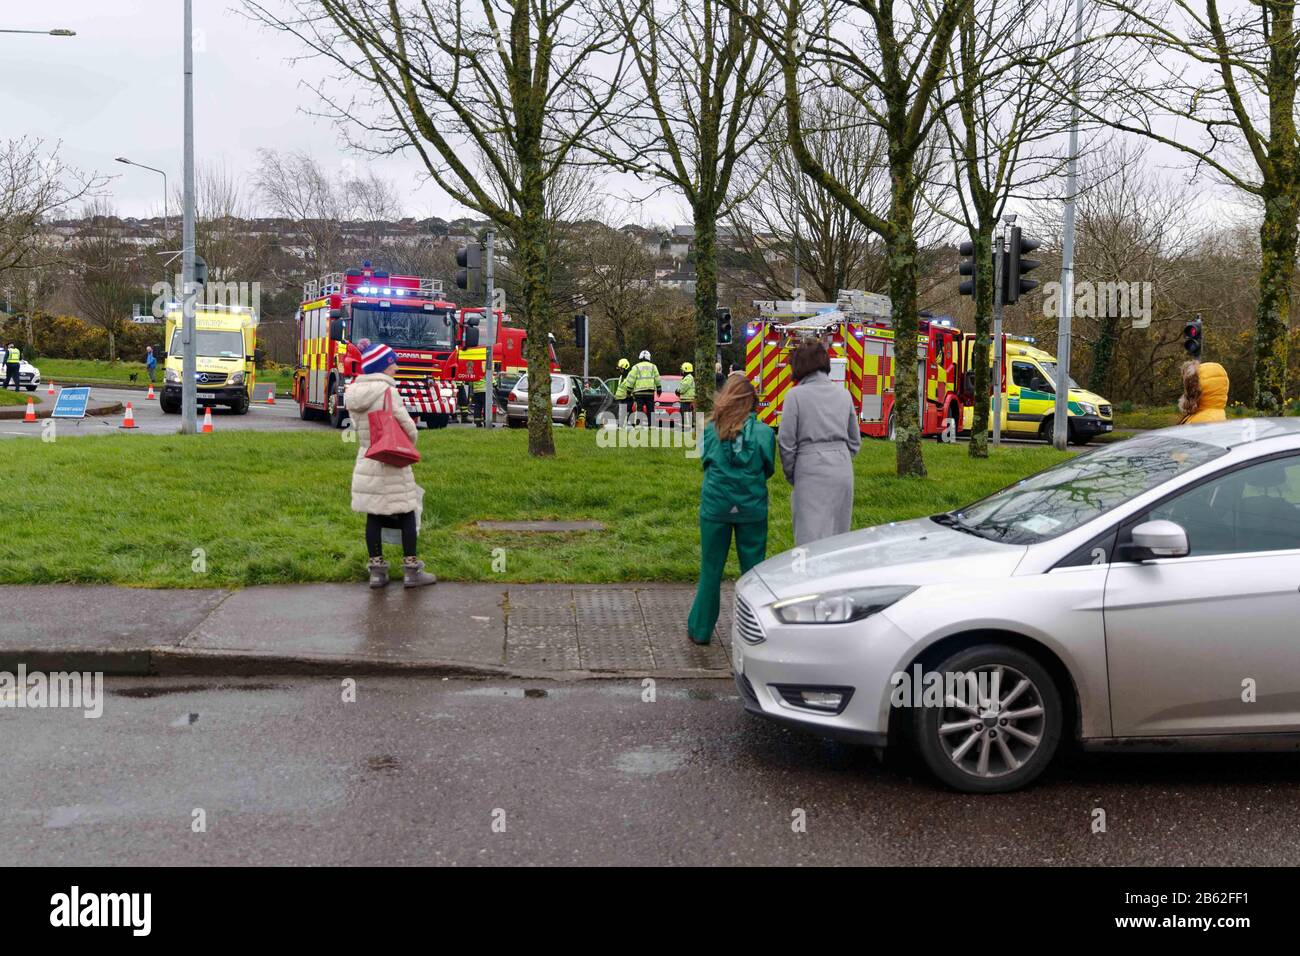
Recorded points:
(995, 723)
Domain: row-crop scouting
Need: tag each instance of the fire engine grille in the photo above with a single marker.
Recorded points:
(748, 629)
(412, 372)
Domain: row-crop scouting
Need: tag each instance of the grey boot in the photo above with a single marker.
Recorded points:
(378, 574)
(415, 576)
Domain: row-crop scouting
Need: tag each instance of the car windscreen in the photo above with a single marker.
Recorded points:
(1070, 494)
(1050, 369)
(211, 343)
(669, 387)
(402, 328)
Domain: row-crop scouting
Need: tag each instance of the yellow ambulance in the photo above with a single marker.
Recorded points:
(1029, 402)
(225, 364)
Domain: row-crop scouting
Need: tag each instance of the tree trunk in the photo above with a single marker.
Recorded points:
(533, 266)
(901, 246)
(1277, 242)
(706, 304)
(979, 429)
(112, 345)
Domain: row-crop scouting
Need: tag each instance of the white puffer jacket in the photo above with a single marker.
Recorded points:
(379, 489)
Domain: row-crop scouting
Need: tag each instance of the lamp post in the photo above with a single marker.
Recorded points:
(166, 221)
(48, 33)
(1061, 414)
(189, 396)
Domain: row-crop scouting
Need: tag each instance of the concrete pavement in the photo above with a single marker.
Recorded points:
(449, 629)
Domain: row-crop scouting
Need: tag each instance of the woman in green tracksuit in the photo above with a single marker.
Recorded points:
(739, 455)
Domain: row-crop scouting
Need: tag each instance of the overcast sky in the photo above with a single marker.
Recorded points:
(115, 90)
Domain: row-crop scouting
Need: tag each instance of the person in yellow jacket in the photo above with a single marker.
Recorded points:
(643, 385)
(621, 396)
(1205, 393)
(686, 392)
(13, 364)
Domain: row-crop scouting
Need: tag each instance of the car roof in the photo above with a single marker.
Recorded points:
(1232, 433)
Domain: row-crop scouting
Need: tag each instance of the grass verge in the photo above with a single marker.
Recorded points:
(96, 371)
(262, 508)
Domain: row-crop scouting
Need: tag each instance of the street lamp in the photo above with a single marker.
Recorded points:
(166, 226)
(49, 33)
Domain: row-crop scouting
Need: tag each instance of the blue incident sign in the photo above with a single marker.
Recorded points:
(71, 403)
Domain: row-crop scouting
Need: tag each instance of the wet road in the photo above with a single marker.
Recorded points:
(418, 771)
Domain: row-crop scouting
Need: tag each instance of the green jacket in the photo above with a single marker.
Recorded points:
(643, 377)
(736, 472)
(686, 390)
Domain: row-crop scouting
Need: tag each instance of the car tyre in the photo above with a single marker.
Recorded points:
(169, 408)
(992, 747)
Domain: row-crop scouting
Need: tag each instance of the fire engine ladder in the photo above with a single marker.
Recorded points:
(315, 288)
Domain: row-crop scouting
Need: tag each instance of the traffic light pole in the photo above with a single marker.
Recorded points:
(489, 397)
(586, 345)
(999, 270)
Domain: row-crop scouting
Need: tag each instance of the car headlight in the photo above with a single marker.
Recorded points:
(171, 375)
(236, 378)
(839, 607)
(1087, 409)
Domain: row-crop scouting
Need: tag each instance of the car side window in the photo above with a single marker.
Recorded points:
(1022, 374)
(1256, 508)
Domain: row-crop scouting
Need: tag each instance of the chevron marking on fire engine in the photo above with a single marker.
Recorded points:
(853, 353)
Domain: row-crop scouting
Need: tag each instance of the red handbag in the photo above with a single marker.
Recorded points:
(388, 442)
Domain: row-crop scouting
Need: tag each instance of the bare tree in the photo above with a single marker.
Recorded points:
(890, 58)
(785, 227)
(295, 186)
(34, 185)
(1000, 135)
(698, 109)
(106, 274)
(1229, 80)
(510, 85)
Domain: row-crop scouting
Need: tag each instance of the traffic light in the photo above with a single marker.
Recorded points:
(1192, 336)
(580, 330)
(1016, 267)
(470, 274)
(722, 324)
(967, 268)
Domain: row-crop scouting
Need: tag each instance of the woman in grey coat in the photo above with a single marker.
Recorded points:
(818, 438)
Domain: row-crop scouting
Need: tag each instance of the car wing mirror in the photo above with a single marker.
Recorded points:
(1159, 539)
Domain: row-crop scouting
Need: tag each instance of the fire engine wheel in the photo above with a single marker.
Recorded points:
(436, 421)
(333, 407)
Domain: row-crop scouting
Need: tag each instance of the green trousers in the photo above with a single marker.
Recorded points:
(715, 544)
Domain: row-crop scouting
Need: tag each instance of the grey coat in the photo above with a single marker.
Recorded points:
(819, 436)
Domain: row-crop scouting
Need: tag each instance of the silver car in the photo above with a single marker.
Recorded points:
(1143, 596)
(566, 400)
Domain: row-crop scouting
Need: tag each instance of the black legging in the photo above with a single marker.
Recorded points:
(375, 524)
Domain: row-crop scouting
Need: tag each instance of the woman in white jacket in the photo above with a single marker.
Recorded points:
(386, 494)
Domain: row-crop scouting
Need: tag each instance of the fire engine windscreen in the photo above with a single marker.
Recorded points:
(402, 328)
(211, 343)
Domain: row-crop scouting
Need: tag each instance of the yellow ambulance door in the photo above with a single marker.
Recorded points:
(1029, 397)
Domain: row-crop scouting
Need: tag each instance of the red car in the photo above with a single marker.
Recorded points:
(666, 402)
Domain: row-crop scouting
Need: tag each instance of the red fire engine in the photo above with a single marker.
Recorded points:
(858, 330)
(407, 313)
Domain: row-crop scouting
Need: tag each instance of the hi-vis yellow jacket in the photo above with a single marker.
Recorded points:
(643, 377)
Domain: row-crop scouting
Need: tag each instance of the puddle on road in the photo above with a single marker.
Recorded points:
(146, 691)
(649, 761)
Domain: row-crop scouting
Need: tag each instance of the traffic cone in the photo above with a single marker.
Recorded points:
(128, 421)
(207, 420)
(51, 391)
(30, 415)
(270, 399)
(150, 396)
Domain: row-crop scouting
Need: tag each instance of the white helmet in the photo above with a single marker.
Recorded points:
(645, 354)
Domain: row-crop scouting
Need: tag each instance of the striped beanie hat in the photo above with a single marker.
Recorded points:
(376, 358)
